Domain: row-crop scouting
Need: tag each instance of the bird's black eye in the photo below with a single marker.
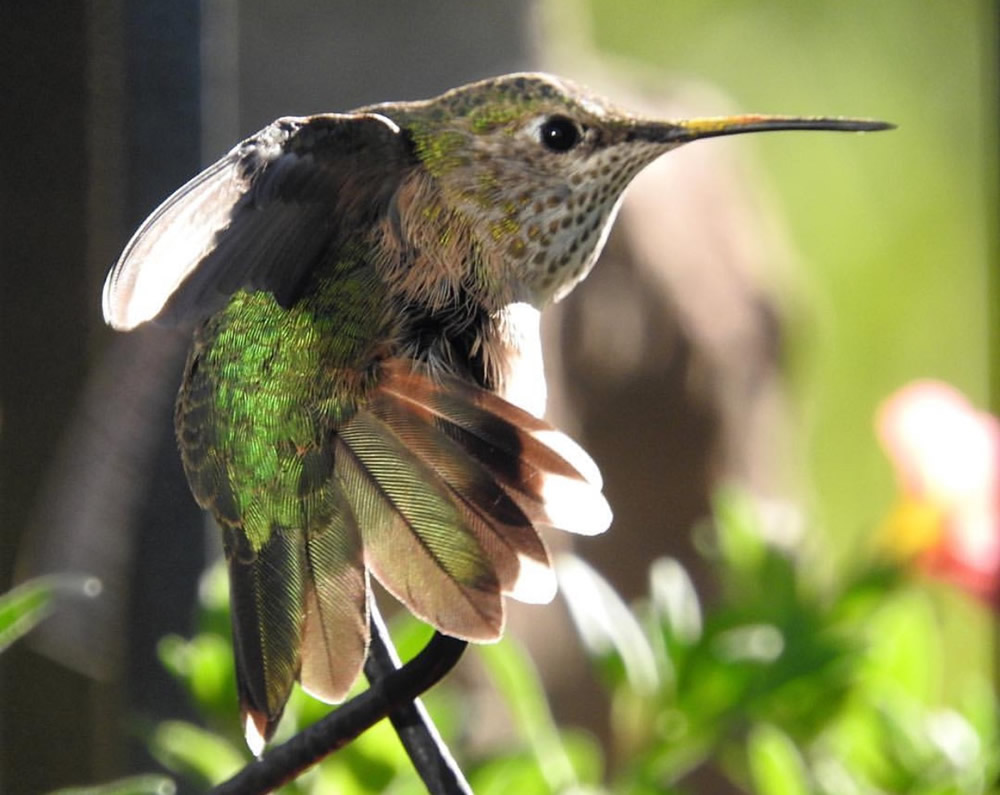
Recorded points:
(559, 134)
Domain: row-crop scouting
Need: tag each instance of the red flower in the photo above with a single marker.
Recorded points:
(947, 458)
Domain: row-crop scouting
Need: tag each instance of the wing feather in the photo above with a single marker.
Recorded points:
(261, 218)
(502, 528)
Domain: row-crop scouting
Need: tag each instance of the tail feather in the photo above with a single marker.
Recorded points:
(545, 472)
(491, 417)
(266, 595)
(416, 541)
(335, 631)
(505, 532)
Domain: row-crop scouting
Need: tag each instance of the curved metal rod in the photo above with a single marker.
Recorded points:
(398, 689)
(419, 736)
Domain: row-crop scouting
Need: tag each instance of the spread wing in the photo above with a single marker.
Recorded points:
(260, 218)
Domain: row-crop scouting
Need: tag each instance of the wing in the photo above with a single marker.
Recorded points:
(260, 218)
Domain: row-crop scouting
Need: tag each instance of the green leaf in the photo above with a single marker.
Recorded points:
(956, 744)
(979, 705)
(510, 773)
(760, 643)
(409, 635)
(521, 773)
(185, 748)
(605, 623)
(738, 526)
(585, 755)
(905, 652)
(776, 766)
(26, 606)
(213, 588)
(381, 748)
(134, 785)
(675, 600)
(204, 663)
(515, 677)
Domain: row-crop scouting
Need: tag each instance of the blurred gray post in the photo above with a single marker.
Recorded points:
(107, 497)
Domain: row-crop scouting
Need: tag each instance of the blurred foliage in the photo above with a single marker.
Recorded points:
(543, 758)
(133, 785)
(784, 684)
(24, 607)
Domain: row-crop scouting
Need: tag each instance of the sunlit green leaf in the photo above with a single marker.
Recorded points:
(776, 766)
(205, 665)
(133, 785)
(674, 598)
(978, 703)
(334, 776)
(762, 643)
(585, 755)
(521, 772)
(409, 635)
(955, 740)
(381, 745)
(191, 750)
(737, 524)
(511, 773)
(904, 645)
(605, 622)
(25, 606)
(514, 675)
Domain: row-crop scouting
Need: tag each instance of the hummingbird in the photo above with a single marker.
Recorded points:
(364, 390)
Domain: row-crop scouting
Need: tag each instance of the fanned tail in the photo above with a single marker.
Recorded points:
(503, 530)
(549, 475)
(449, 483)
(435, 487)
(416, 541)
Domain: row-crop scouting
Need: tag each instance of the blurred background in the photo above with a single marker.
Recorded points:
(758, 300)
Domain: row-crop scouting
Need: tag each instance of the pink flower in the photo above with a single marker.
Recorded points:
(947, 458)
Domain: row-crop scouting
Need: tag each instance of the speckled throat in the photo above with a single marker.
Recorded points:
(495, 210)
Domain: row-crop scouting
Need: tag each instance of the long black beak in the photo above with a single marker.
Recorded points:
(680, 132)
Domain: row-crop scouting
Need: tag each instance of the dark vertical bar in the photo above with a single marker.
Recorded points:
(163, 116)
(42, 216)
(70, 466)
(163, 145)
(42, 339)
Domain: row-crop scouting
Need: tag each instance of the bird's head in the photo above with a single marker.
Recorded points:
(537, 166)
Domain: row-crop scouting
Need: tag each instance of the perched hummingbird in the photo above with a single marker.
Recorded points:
(363, 394)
